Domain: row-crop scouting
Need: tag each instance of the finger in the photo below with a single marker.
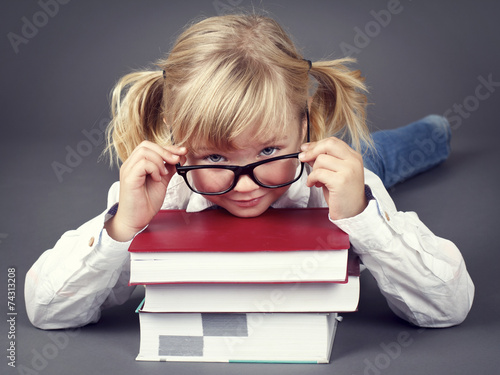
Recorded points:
(177, 154)
(139, 172)
(321, 177)
(162, 157)
(334, 164)
(170, 154)
(330, 170)
(329, 146)
(307, 146)
(141, 154)
(324, 160)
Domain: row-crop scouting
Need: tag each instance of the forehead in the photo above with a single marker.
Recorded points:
(253, 136)
(265, 134)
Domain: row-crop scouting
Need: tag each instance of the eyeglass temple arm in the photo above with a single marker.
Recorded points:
(308, 124)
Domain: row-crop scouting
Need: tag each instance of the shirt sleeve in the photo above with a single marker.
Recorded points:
(422, 276)
(85, 271)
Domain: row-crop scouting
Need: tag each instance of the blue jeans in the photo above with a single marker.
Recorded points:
(407, 151)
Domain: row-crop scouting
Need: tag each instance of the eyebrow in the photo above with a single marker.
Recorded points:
(275, 139)
(272, 140)
(264, 142)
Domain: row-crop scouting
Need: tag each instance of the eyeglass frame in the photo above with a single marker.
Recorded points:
(243, 170)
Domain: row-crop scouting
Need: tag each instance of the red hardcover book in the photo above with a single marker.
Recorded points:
(279, 246)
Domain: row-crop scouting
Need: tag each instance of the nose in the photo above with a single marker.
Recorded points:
(245, 184)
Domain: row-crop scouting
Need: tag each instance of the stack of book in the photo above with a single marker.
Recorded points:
(225, 289)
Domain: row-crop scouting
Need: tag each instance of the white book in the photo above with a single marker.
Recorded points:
(288, 297)
(237, 337)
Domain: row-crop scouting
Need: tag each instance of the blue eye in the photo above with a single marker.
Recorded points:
(268, 151)
(214, 158)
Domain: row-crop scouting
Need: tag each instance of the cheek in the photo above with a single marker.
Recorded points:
(278, 172)
(280, 191)
(212, 180)
(216, 199)
(274, 194)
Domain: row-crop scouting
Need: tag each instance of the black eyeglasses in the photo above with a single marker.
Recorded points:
(271, 173)
(214, 179)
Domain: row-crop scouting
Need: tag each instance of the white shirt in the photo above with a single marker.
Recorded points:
(423, 277)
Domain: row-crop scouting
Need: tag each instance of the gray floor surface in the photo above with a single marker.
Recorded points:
(59, 62)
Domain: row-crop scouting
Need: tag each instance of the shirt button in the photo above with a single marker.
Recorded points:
(91, 241)
(387, 216)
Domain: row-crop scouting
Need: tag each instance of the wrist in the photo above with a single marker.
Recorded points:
(349, 211)
(118, 231)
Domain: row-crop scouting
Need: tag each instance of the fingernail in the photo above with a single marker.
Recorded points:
(302, 155)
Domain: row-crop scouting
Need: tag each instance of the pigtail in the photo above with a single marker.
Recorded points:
(338, 106)
(136, 108)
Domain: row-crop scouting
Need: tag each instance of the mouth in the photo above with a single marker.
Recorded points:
(247, 202)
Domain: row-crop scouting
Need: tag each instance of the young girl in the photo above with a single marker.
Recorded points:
(234, 91)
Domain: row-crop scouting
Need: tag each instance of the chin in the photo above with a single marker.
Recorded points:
(246, 207)
(246, 212)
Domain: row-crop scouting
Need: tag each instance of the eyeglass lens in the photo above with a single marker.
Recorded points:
(272, 174)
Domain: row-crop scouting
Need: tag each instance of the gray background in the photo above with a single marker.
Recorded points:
(428, 58)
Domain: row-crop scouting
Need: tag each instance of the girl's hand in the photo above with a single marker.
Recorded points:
(338, 169)
(144, 178)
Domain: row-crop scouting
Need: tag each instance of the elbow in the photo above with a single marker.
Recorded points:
(42, 311)
(453, 317)
(33, 309)
(39, 321)
(36, 317)
(36, 311)
(47, 317)
(37, 314)
(449, 311)
(40, 317)
(450, 319)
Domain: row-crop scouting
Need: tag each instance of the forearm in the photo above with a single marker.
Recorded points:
(422, 276)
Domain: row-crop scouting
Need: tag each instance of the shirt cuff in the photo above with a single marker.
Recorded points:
(107, 253)
(368, 230)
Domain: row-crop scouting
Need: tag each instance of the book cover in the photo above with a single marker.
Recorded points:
(281, 245)
(216, 230)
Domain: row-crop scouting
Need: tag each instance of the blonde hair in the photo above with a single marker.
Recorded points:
(225, 73)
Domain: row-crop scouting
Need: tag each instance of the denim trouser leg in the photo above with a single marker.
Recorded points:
(412, 149)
